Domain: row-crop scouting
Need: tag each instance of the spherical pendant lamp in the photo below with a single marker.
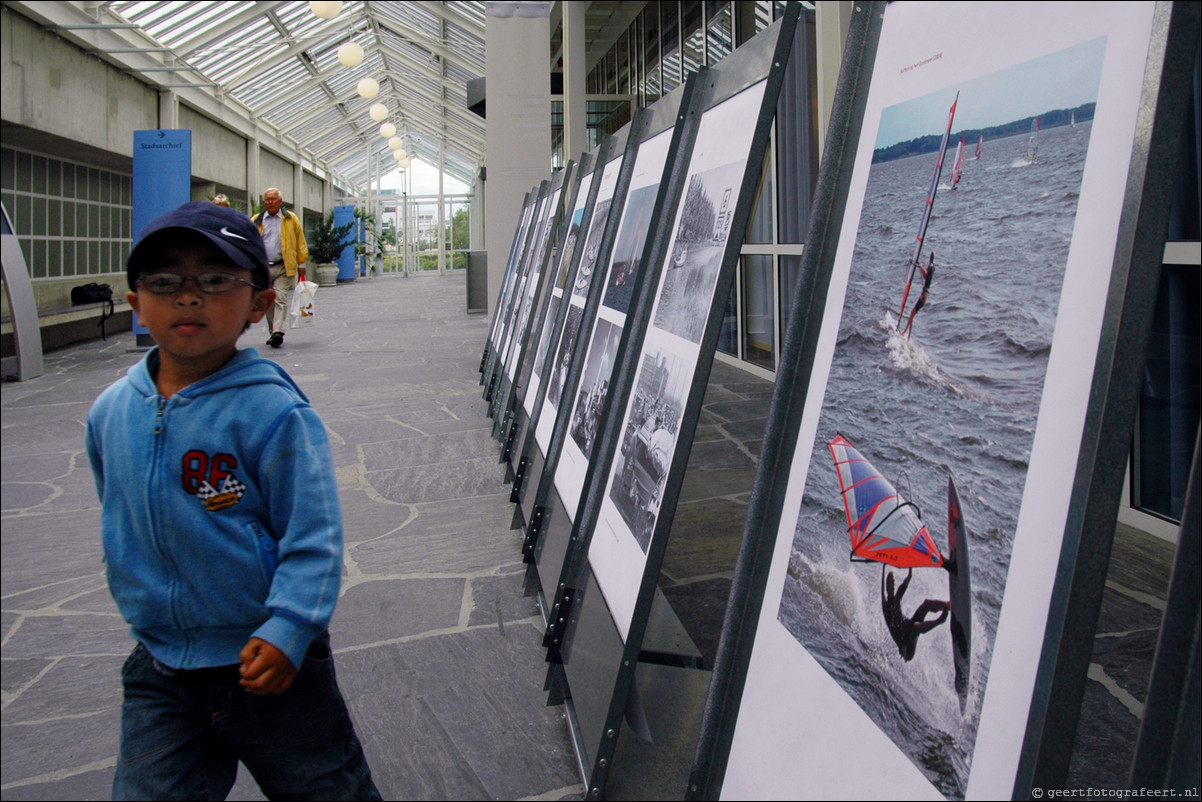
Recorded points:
(396, 143)
(398, 155)
(387, 130)
(350, 54)
(404, 163)
(378, 112)
(326, 10)
(368, 88)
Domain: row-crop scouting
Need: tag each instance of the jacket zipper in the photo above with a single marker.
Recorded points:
(155, 469)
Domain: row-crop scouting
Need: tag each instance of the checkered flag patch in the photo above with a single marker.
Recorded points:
(216, 500)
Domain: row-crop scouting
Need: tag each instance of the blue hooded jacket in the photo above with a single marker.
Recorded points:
(220, 515)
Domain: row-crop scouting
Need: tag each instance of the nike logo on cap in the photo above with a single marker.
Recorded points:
(229, 233)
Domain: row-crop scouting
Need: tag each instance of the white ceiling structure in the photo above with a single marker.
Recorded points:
(281, 61)
(276, 64)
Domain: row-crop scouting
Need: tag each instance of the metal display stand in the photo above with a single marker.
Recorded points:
(609, 617)
(515, 292)
(559, 303)
(529, 304)
(548, 522)
(504, 295)
(759, 740)
(1166, 754)
(565, 354)
(555, 270)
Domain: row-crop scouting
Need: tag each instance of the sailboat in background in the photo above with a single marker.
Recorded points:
(1033, 141)
(979, 141)
(958, 169)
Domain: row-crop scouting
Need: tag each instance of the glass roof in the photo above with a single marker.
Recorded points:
(281, 60)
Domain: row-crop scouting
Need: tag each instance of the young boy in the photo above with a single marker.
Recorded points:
(222, 535)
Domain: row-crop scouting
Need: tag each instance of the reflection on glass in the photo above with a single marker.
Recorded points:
(759, 229)
(651, 83)
(759, 307)
(1168, 404)
(694, 36)
(719, 41)
(670, 45)
(728, 338)
(790, 274)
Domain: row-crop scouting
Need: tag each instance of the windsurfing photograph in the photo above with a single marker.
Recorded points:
(901, 548)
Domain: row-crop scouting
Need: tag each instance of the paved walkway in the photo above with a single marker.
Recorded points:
(439, 652)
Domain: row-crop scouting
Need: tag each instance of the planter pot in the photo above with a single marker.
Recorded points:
(326, 274)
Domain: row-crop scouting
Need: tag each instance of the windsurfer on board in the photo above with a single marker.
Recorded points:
(928, 273)
(905, 631)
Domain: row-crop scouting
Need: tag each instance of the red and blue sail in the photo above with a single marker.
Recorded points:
(883, 526)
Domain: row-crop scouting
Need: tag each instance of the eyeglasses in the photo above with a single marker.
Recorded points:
(208, 283)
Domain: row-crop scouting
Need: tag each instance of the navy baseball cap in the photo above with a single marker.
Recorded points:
(230, 230)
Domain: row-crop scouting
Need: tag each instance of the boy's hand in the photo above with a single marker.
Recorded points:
(265, 669)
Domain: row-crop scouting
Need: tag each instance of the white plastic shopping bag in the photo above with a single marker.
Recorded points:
(301, 310)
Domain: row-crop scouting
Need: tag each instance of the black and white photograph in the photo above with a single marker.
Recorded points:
(692, 265)
(563, 356)
(645, 452)
(594, 385)
(592, 246)
(544, 342)
(632, 236)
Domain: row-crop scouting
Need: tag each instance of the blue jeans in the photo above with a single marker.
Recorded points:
(183, 733)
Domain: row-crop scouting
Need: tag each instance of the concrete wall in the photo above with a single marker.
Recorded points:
(313, 196)
(218, 154)
(276, 172)
(53, 86)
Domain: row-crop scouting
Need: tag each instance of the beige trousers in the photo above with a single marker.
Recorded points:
(277, 314)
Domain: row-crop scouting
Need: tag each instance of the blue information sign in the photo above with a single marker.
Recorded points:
(346, 260)
(162, 181)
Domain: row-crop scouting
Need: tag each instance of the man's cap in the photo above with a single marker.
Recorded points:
(230, 230)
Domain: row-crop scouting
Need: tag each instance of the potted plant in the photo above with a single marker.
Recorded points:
(325, 246)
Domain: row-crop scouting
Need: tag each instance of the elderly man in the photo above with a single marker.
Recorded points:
(284, 237)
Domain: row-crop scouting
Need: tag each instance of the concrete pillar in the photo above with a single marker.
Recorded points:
(477, 215)
(575, 131)
(168, 110)
(298, 191)
(516, 39)
(254, 187)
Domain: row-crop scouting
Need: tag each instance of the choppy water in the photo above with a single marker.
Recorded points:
(959, 398)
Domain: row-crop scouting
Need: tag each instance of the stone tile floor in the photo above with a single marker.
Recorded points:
(439, 650)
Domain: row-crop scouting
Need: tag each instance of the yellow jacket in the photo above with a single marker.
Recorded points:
(292, 240)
